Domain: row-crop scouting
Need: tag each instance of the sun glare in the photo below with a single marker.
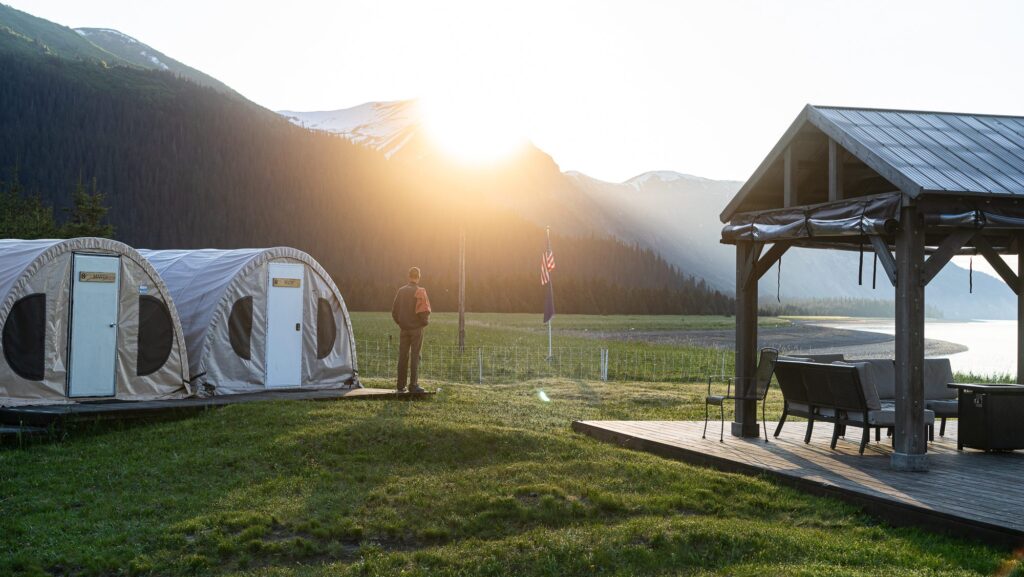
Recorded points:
(475, 131)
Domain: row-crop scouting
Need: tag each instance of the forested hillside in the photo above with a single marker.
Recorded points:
(183, 165)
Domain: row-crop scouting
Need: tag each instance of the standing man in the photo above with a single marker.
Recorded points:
(411, 313)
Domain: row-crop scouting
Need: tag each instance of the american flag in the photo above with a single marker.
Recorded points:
(547, 264)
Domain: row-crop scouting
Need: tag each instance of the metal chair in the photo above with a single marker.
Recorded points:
(762, 379)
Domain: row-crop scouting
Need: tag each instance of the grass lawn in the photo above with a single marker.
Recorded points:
(510, 329)
(480, 480)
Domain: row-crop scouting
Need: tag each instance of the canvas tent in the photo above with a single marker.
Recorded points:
(86, 319)
(259, 318)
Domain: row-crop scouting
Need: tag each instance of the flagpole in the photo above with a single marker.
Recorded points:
(551, 287)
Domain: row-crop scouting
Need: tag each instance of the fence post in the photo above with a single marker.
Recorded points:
(480, 362)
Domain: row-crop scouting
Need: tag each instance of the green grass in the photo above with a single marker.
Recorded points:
(487, 329)
(476, 481)
(513, 347)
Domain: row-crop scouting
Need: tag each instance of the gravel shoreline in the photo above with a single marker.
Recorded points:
(800, 337)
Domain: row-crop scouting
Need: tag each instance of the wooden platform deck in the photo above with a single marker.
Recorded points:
(44, 415)
(967, 493)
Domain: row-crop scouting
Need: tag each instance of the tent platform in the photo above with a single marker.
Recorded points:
(44, 415)
(20, 431)
(969, 493)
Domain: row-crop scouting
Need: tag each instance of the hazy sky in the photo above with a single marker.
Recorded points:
(611, 89)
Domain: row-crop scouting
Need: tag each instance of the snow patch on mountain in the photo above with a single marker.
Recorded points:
(121, 35)
(154, 60)
(382, 126)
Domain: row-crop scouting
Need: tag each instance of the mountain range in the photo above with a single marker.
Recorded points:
(675, 215)
(185, 162)
(188, 162)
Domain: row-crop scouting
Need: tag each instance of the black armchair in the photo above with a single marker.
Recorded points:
(743, 391)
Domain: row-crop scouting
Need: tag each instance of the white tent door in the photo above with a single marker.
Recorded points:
(92, 350)
(284, 325)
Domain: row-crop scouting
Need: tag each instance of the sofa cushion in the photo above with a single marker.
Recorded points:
(886, 417)
(867, 382)
(943, 407)
(883, 371)
(826, 358)
(937, 374)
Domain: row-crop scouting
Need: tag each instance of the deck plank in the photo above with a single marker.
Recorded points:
(44, 415)
(968, 493)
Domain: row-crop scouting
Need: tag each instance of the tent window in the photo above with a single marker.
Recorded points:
(240, 327)
(24, 337)
(156, 335)
(326, 330)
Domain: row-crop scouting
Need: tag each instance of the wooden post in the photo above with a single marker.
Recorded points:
(789, 192)
(1019, 289)
(835, 171)
(747, 253)
(911, 434)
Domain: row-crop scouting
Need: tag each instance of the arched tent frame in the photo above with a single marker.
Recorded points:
(16, 282)
(206, 283)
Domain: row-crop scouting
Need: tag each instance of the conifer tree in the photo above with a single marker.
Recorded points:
(88, 213)
(23, 216)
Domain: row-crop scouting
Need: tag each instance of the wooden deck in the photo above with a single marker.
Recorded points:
(967, 493)
(44, 415)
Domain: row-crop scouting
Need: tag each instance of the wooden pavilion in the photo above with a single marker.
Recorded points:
(924, 185)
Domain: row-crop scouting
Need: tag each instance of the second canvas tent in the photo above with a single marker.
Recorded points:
(257, 319)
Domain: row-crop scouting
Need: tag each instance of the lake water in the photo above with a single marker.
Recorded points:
(991, 345)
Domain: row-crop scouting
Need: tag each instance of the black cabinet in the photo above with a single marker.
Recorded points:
(991, 416)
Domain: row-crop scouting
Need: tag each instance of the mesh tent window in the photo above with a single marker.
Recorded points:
(24, 337)
(326, 329)
(156, 335)
(240, 327)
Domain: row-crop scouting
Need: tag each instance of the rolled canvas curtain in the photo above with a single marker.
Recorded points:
(871, 215)
(874, 215)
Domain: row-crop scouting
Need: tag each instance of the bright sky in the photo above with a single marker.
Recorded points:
(610, 89)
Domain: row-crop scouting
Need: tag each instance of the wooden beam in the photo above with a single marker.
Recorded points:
(1005, 272)
(745, 419)
(748, 268)
(770, 258)
(911, 437)
(835, 171)
(789, 193)
(1020, 311)
(884, 257)
(949, 247)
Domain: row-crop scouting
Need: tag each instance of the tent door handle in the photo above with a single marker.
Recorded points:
(297, 326)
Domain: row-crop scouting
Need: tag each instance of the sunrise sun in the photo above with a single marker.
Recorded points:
(472, 130)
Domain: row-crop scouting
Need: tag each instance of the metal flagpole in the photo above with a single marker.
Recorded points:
(550, 354)
(551, 291)
(462, 289)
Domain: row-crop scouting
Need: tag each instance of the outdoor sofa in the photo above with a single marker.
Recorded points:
(840, 393)
(939, 398)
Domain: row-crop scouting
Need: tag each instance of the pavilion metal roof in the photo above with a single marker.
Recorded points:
(918, 152)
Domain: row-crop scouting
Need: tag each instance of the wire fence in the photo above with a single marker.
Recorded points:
(514, 363)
